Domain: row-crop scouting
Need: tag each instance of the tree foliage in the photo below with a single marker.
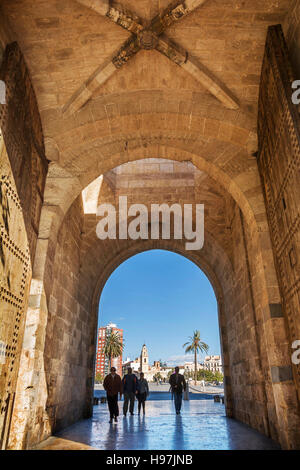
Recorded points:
(210, 376)
(98, 378)
(157, 376)
(195, 345)
(113, 346)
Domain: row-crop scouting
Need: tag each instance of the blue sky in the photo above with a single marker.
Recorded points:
(160, 298)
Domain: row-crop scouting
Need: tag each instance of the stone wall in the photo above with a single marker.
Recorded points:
(23, 172)
(15, 274)
(291, 28)
(247, 354)
(22, 131)
(279, 164)
(67, 341)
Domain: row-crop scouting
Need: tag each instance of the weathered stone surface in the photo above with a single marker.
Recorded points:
(15, 273)
(22, 131)
(23, 170)
(147, 37)
(279, 162)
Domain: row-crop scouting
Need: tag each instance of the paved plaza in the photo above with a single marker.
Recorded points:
(202, 425)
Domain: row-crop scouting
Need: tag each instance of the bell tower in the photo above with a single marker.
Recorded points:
(144, 359)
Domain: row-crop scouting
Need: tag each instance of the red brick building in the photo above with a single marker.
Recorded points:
(102, 363)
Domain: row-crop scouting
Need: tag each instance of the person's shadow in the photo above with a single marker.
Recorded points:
(128, 425)
(134, 433)
(142, 433)
(112, 437)
(178, 436)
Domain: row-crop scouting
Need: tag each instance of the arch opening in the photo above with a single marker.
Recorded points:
(77, 271)
(155, 306)
(242, 295)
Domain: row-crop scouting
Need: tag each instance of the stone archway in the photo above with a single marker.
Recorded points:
(246, 311)
(178, 248)
(258, 265)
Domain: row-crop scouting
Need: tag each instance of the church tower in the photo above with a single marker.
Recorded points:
(144, 359)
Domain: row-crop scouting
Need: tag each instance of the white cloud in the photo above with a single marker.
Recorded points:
(181, 359)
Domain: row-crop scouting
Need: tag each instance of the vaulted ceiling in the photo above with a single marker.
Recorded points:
(66, 42)
(189, 89)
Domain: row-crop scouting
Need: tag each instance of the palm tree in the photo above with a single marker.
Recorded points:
(113, 346)
(195, 345)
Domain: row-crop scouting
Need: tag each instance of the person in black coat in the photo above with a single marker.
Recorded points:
(178, 384)
(129, 389)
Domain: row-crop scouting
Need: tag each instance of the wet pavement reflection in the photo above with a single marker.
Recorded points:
(201, 425)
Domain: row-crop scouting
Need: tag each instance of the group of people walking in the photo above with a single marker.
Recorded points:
(132, 387)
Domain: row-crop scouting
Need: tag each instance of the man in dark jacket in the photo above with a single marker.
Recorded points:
(178, 384)
(129, 388)
(113, 385)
